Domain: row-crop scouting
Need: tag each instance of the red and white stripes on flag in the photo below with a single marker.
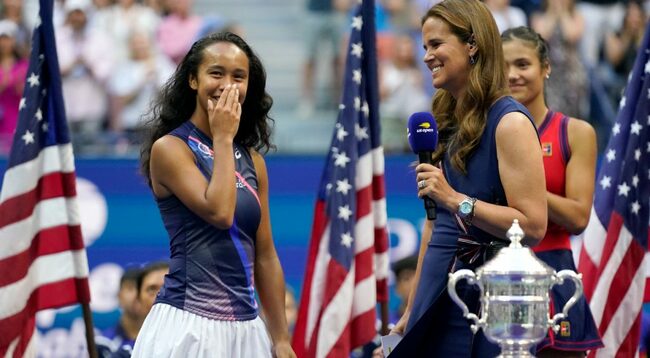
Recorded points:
(43, 261)
(615, 243)
(347, 264)
(339, 306)
(613, 266)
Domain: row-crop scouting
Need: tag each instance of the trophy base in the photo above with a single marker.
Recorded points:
(519, 351)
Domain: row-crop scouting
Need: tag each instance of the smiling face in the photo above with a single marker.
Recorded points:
(151, 284)
(446, 56)
(525, 71)
(7, 45)
(223, 63)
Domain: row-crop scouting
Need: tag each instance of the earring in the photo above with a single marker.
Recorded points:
(548, 76)
(472, 60)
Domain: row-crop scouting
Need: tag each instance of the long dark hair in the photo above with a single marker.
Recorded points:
(532, 38)
(176, 101)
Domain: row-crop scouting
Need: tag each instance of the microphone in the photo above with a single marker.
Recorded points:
(422, 132)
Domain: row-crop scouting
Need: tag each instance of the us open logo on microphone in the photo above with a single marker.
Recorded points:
(425, 127)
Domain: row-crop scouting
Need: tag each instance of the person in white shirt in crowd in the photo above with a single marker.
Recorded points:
(600, 18)
(505, 15)
(402, 92)
(121, 20)
(86, 63)
(134, 84)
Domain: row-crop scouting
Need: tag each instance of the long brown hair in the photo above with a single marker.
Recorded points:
(461, 121)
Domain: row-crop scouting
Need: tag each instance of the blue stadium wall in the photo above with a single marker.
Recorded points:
(123, 228)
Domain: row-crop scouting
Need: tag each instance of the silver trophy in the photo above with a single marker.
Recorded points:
(515, 287)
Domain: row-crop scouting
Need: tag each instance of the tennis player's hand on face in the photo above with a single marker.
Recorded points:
(224, 115)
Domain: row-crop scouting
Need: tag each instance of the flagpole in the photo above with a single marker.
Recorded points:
(384, 318)
(90, 330)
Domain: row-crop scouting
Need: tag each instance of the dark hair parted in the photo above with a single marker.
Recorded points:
(147, 270)
(176, 101)
(530, 37)
(461, 121)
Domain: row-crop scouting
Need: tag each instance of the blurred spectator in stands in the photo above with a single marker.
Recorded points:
(133, 85)
(528, 6)
(213, 24)
(148, 282)
(13, 10)
(620, 50)
(402, 93)
(393, 18)
(158, 6)
(402, 15)
(404, 270)
(102, 4)
(506, 16)
(600, 17)
(86, 63)
(58, 14)
(121, 20)
(421, 7)
(13, 69)
(323, 22)
(131, 317)
(385, 34)
(562, 27)
(178, 30)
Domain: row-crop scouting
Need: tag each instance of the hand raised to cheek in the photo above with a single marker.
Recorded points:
(224, 116)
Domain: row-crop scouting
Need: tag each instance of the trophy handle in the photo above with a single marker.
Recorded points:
(451, 287)
(559, 278)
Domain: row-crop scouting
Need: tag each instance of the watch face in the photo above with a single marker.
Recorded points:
(465, 208)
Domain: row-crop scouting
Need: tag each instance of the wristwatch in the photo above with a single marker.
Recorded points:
(466, 210)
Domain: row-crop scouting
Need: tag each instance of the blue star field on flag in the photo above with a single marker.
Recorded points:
(356, 133)
(623, 181)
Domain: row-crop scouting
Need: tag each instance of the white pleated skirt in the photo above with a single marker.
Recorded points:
(171, 332)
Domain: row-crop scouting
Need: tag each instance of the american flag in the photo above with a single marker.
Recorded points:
(615, 243)
(347, 263)
(43, 261)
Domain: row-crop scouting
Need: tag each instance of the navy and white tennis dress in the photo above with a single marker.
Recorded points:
(207, 305)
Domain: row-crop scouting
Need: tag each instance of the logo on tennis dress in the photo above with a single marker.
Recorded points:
(565, 329)
(239, 184)
(205, 149)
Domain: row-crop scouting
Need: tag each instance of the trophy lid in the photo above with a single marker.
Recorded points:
(516, 258)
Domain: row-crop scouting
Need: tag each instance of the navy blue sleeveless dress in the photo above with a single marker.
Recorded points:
(211, 270)
(436, 327)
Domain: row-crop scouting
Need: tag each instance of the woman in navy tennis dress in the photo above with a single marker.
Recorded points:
(211, 187)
